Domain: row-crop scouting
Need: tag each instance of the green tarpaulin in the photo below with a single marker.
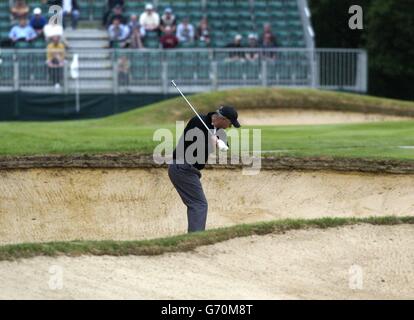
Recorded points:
(40, 106)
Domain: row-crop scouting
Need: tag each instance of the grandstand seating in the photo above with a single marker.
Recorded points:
(226, 17)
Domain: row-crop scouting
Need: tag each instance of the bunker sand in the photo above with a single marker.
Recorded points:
(353, 262)
(40, 205)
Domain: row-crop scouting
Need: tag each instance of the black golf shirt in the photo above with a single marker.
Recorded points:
(206, 145)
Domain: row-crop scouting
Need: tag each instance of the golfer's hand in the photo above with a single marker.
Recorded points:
(214, 140)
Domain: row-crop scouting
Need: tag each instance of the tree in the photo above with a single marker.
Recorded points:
(330, 22)
(390, 44)
(387, 35)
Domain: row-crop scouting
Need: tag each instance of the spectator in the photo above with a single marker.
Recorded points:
(53, 29)
(185, 32)
(123, 71)
(169, 40)
(20, 9)
(22, 32)
(118, 33)
(203, 31)
(111, 4)
(136, 33)
(71, 9)
(268, 44)
(267, 30)
(236, 44)
(252, 56)
(168, 19)
(149, 19)
(37, 22)
(117, 14)
(56, 60)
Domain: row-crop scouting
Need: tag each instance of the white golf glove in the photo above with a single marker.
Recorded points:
(222, 145)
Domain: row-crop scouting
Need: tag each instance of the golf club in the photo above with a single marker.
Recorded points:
(220, 143)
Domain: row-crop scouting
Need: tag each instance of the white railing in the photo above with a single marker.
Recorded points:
(195, 70)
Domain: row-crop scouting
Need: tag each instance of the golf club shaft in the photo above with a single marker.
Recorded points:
(174, 84)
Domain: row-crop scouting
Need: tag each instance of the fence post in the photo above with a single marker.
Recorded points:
(16, 77)
(314, 68)
(264, 73)
(362, 72)
(115, 68)
(214, 75)
(164, 77)
(66, 78)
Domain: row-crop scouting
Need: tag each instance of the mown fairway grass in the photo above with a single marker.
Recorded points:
(369, 140)
(133, 131)
(185, 242)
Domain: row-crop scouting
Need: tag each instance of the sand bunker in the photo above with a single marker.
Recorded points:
(302, 117)
(38, 205)
(355, 262)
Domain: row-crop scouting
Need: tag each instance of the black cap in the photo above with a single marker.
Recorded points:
(230, 113)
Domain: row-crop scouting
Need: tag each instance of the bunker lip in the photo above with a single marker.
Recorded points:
(133, 160)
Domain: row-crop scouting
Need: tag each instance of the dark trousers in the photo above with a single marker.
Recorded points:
(56, 75)
(186, 179)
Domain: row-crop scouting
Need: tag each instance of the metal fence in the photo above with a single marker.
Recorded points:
(146, 70)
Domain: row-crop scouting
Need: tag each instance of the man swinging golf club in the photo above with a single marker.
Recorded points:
(201, 136)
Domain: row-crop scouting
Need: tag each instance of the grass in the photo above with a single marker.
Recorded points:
(185, 242)
(170, 110)
(133, 131)
(368, 140)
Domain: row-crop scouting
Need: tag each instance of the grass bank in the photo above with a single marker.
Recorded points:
(133, 131)
(263, 98)
(185, 242)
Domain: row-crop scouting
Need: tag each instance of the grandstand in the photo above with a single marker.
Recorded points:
(294, 61)
(227, 18)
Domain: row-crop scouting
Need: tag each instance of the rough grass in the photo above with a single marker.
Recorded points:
(185, 242)
(262, 98)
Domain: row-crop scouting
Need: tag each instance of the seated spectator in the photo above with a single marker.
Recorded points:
(118, 33)
(136, 33)
(236, 44)
(267, 30)
(19, 10)
(37, 22)
(169, 40)
(123, 71)
(111, 4)
(71, 9)
(252, 56)
(203, 32)
(185, 32)
(168, 19)
(117, 14)
(22, 32)
(150, 19)
(55, 61)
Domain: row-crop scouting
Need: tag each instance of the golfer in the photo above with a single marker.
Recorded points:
(190, 156)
